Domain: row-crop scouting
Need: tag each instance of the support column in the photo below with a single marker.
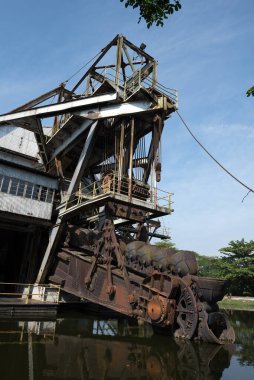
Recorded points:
(54, 238)
(156, 136)
(83, 160)
(56, 231)
(131, 160)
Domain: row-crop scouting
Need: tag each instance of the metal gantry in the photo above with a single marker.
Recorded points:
(105, 149)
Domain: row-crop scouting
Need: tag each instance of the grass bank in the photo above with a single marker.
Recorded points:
(236, 304)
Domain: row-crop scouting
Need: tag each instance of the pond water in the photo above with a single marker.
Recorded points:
(91, 348)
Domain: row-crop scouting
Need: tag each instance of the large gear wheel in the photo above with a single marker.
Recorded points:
(186, 311)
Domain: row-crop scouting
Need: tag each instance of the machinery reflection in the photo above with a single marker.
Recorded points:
(89, 349)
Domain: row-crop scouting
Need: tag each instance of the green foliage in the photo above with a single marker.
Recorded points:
(154, 11)
(233, 304)
(250, 91)
(238, 267)
(166, 244)
(238, 249)
(240, 276)
(209, 266)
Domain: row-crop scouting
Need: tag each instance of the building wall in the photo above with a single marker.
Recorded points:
(20, 140)
(23, 174)
(23, 206)
(26, 193)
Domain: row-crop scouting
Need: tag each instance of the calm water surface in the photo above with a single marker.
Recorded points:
(91, 348)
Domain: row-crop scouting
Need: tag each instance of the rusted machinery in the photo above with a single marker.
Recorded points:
(105, 148)
(155, 285)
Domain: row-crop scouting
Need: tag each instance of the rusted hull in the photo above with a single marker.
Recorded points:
(181, 306)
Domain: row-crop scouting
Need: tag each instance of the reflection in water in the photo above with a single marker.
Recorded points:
(242, 322)
(89, 349)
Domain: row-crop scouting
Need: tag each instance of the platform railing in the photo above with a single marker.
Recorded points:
(35, 292)
(133, 83)
(129, 189)
(164, 231)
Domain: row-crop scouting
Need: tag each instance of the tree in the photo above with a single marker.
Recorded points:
(209, 266)
(167, 243)
(154, 11)
(250, 91)
(238, 267)
(238, 249)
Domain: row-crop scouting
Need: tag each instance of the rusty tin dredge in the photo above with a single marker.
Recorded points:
(103, 159)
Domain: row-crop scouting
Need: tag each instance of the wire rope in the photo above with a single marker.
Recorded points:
(81, 68)
(250, 190)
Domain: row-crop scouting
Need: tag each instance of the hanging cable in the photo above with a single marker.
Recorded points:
(250, 190)
(81, 68)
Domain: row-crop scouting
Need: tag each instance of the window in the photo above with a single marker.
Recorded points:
(29, 190)
(43, 193)
(36, 192)
(21, 188)
(14, 186)
(5, 184)
(50, 195)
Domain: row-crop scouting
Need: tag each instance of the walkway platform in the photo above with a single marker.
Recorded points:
(14, 307)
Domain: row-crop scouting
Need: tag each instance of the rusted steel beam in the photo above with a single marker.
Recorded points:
(131, 158)
(128, 58)
(139, 76)
(138, 162)
(128, 212)
(119, 109)
(54, 238)
(113, 65)
(83, 159)
(38, 100)
(118, 59)
(140, 52)
(56, 109)
(104, 51)
(100, 78)
(68, 142)
(156, 135)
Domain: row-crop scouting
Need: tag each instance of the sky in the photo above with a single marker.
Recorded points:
(205, 51)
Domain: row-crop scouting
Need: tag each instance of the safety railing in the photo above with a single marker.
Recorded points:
(26, 292)
(133, 83)
(127, 86)
(163, 231)
(129, 189)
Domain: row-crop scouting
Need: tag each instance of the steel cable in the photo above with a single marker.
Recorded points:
(250, 190)
(81, 68)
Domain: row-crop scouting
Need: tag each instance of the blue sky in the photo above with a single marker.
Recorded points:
(205, 51)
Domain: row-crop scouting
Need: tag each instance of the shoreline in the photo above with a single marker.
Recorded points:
(237, 303)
